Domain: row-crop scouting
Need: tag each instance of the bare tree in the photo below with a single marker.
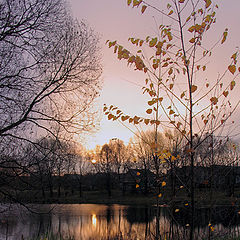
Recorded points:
(49, 78)
(106, 159)
(49, 70)
(119, 155)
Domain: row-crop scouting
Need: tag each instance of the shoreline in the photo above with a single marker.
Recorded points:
(132, 199)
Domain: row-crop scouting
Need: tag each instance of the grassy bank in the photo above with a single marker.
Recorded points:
(203, 198)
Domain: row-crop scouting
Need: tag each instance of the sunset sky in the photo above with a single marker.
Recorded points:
(114, 20)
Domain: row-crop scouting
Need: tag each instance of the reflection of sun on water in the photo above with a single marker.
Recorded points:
(94, 220)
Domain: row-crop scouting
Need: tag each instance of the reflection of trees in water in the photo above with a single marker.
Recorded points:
(226, 216)
(225, 221)
(17, 224)
(119, 222)
(139, 214)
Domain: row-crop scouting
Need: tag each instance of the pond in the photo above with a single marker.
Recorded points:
(94, 221)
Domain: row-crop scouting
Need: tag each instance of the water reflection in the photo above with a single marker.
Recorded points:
(92, 221)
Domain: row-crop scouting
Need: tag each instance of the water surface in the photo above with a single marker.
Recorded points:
(94, 221)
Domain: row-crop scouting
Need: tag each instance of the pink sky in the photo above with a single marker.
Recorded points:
(114, 20)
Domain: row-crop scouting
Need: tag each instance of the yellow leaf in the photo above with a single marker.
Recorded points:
(146, 121)
(149, 111)
(155, 66)
(168, 155)
(225, 93)
(163, 184)
(171, 112)
(110, 116)
(186, 204)
(198, 27)
(136, 3)
(232, 68)
(152, 93)
(138, 173)
(153, 42)
(159, 195)
(183, 132)
(192, 40)
(110, 44)
(131, 59)
(200, 11)
(208, 3)
(181, 186)
(129, 2)
(193, 88)
(188, 18)
(136, 120)
(173, 158)
(214, 100)
(170, 13)
(224, 36)
(165, 64)
(232, 85)
(191, 29)
(169, 35)
(137, 186)
(150, 103)
(181, 1)
(124, 118)
(204, 68)
(139, 63)
(176, 210)
(143, 8)
(178, 126)
(170, 71)
(234, 56)
(168, 46)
